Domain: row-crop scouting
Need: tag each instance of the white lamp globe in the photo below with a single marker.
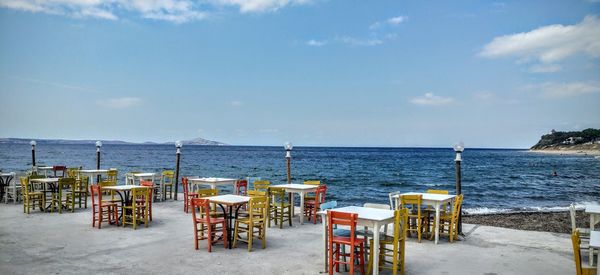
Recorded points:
(98, 143)
(33, 143)
(288, 146)
(178, 144)
(459, 147)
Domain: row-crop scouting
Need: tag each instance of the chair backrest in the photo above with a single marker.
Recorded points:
(241, 187)
(73, 172)
(257, 208)
(146, 183)
(168, 176)
(96, 194)
(393, 196)
(59, 168)
(576, 251)
(112, 175)
(335, 218)
(312, 182)
(411, 201)
(400, 225)
(82, 183)
(457, 207)
(376, 206)
(435, 191)
(261, 185)
(573, 213)
(254, 193)
(184, 183)
(66, 183)
(320, 195)
(251, 180)
(328, 205)
(207, 193)
(142, 193)
(277, 195)
(24, 185)
(202, 206)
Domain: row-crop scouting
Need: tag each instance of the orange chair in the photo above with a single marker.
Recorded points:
(311, 207)
(241, 187)
(204, 222)
(102, 209)
(187, 196)
(151, 186)
(334, 219)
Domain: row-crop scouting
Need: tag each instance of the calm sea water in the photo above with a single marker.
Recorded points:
(493, 180)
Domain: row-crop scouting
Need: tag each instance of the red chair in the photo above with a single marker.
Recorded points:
(203, 222)
(150, 199)
(334, 219)
(102, 209)
(61, 169)
(312, 207)
(241, 187)
(186, 195)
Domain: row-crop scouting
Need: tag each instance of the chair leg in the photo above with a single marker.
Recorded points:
(250, 236)
(235, 234)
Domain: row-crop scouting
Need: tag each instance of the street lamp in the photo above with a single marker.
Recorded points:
(33, 143)
(98, 145)
(459, 148)
(288, 159)
(178, 145)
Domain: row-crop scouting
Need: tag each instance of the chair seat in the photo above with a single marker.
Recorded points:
(279, 205)
(347, 240)
(212, 220)
(341, 232)
(247, 221)
(36, 193)
(106, 203)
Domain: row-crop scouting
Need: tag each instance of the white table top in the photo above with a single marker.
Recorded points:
(45, 168)
(144, 174)
(365, 213)
(228, 199)
(93, 171)
(211, 180)
(123, 187)
(431, 197)
(7, 174)
(295, 186)
(595, 239)
(592, 209)
(44, 180)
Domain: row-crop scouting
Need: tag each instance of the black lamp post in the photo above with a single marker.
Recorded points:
(33, 143)
(288, 160)
(459, 148)
(178, 145)
(98, 145)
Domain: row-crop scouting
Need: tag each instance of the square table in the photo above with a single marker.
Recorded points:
(212, 182)
(45, 169)
(93, 173)
(594, 243)
(230, 201)
(369, 217)
(53, 182)
(300, 189)
(594, 212)
(435, 200)
(125, 196)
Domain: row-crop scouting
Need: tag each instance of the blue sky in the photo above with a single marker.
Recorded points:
(314, 72)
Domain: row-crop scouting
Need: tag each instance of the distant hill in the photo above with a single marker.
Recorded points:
(588, 139)
(196, 141)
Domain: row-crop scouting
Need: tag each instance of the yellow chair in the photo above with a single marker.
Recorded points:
(81, 190)
(202, 193)
(261, 185)
(413, 204)
(430, 211)
(112, 193)
(449, 221)
(167, 181)
(311, 196)
(139, 208)
(30, 197)
(397, 241)
(73, 172)
(280, 209)
(66, 187)
(253, 225)
(580, 268)
(112, 175)
(254, 193)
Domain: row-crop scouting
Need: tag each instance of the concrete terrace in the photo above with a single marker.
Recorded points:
(67, 244)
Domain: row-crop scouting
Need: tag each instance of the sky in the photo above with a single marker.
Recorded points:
(312, 72)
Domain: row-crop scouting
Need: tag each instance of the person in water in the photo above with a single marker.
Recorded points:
(554, 174)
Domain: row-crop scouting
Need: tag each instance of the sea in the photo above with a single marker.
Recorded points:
(493, 180)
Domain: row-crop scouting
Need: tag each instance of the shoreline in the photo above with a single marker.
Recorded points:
(554, 222)
(567, 152)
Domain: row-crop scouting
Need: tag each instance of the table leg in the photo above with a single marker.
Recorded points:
(229, 226)
(437, 222)
(375, 249)
(301, 207)
(292, 203)
(592, 223)
(324, 218)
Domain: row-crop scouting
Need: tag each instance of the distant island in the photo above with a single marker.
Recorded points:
(196, 141)
(575, 142)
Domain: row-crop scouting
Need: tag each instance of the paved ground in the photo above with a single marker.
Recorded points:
(67, 244)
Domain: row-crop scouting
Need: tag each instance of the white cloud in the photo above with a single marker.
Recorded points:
(359, 42)
(548, 44)
(561, 90)
(316, 43)
(429, 99)
(246, 6)
(394, 21)
(544, 68)
(237, 103)
(120, 103)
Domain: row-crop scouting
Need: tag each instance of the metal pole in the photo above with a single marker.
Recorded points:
(177, 172)
(458, 189)
(33, 155)
(98, 163)
(288, 161)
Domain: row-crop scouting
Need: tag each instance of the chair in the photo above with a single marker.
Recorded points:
(107, 183)
(81, 190)
(205, 222)
(150, 185)
(137, 211)
(241, 187)
(583, 232)
(254, 193)
(311, 196)
(253, 225)
(580, 268)
(187, 196)
(59, 171)
(311, 207)
(102, 209)
(66, 187)
(397, 241)
(280, 209)
(31, 198)
(167, 180)
(413, 204)
(394, 198)
(334, 219)
(429, 212)
(12, 190)
(261, 185)
(112, 175)
(129, 178)
(449, 221)
(203, 193)
(73, 172)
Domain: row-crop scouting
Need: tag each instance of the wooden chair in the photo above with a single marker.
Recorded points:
(102, 209)
(449, 221)
(241, 187)
(167, 180)
(254, 193)
(394, 200)
(580, 268)
(31, 198)
(312, 207)
(280, 209)
(65, 197)
(187, 196)
(397, 241)
(311, 196)
(73, 172)
(137, 211)
(255, 225)
(80, 192)
(429, 212)
(335, 219)
(113, 197)
(59, 171)
(413, 204)
(205, 222)
(150, 185)
(261, 185)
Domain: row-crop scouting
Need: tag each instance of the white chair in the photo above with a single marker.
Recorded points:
(584, 232)
(12, 190)
(394, 198)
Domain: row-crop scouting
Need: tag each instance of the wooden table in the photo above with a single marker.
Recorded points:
(300, 189)
(212, 182)
(93, 173)
(45, 169)
(594, 212)
(230, 201)
(369, 217)
(53, 182)
(435, 200)
(125, 196)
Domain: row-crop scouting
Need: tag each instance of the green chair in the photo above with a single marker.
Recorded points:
(255, 225)
(280, 209)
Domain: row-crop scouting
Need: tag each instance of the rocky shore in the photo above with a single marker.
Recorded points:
(556, 222)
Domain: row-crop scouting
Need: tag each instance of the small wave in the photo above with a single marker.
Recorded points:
(491, 210)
